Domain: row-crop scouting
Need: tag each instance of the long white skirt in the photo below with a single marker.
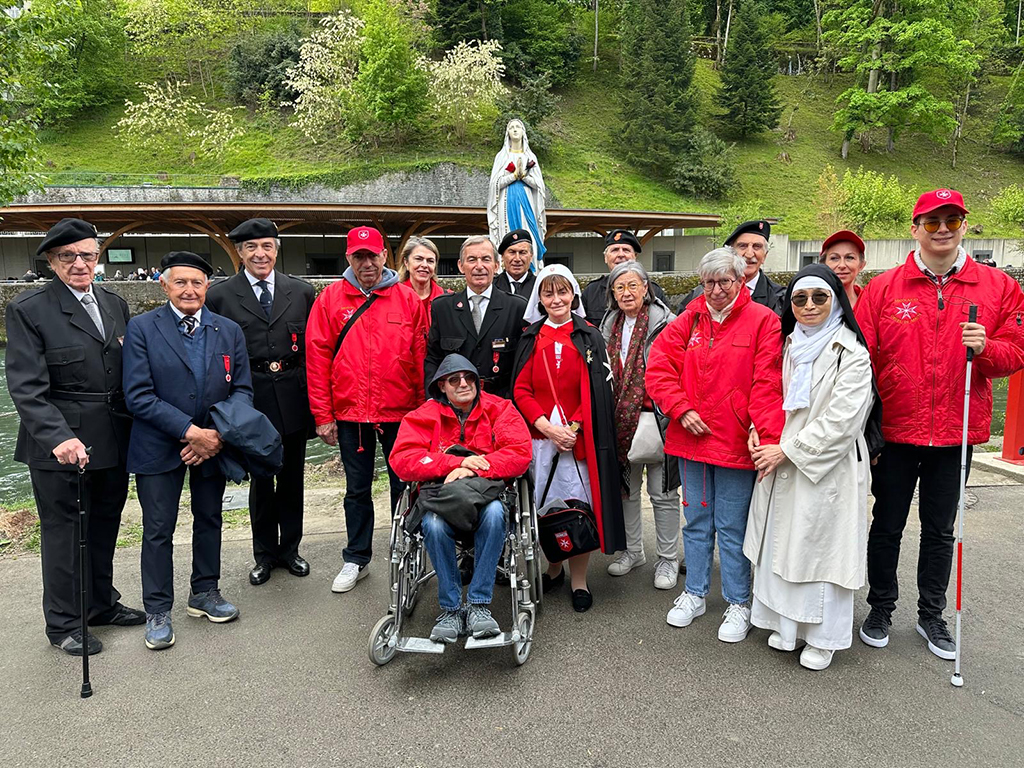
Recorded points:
(571, 480)
(819, 613)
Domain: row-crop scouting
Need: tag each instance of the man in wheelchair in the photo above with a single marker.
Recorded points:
(490, 429)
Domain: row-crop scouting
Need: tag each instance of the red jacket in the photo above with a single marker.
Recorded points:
(494, 429)
(730, 373)
(435, 291)
(918, 356)
(377, 375)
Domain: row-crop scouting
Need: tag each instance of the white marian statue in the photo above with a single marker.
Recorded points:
(515, 197)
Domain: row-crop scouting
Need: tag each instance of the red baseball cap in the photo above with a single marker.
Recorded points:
(937, 198)
(364, 239)
(843, 236)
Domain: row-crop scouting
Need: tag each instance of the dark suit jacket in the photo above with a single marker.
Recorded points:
(766, 292)
(451, 330)
(282, 395)
(161, 391)
(595, 298)
(502, 283)
(55, 350)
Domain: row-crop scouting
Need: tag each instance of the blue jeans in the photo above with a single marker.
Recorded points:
(488, 542)
(727, 493)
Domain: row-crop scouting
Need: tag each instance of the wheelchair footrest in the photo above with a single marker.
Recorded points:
(505, 638)
(419, 645)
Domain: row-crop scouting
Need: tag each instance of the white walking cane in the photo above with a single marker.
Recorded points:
(957, 679)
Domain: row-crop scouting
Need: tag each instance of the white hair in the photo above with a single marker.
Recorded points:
(720, 262)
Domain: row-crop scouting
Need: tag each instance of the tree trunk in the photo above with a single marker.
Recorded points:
(845, 152)
(961, 118)
(728, 23)
(596, 3)
(718, 33)
(817, 21)
(483, 19)
(890, 142)
(873, 74)
(1020, 5)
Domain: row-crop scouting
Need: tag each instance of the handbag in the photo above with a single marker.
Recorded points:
(568, 528)
(647, 446)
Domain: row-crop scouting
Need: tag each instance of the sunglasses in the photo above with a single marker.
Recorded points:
(953, 223)
(456, 378)
(818, 297)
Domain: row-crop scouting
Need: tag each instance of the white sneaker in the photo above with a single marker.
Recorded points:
(348, 576)
(666, 574)
(735, 625)
(626, 562)
(685, 609)
(775, 641)
(816, 658)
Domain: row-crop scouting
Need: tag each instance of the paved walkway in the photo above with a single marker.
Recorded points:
(290, 684)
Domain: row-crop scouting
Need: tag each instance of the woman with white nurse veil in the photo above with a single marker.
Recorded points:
(807, 528)
(515, 196)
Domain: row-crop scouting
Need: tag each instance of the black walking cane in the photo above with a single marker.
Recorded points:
(84, 596)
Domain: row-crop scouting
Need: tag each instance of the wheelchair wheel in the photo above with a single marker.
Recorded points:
(379, 649)
(521, 649)
(411, 586)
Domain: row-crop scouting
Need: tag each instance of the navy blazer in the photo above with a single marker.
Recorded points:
(161, 392)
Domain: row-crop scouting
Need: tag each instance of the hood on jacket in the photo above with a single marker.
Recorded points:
(388, 278)
(453, 363)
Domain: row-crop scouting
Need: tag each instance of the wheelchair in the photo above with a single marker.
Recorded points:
(520, 564)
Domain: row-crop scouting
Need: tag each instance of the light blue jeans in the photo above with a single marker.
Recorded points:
(727, 495)
(488, 542)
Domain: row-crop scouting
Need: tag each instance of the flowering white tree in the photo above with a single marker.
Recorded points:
(323, 78)
(465, 84)
(170, 123)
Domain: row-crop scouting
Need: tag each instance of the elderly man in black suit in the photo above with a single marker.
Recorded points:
(620, 245)
(479, 322)
(516, 251)
(272, 309)
(64, 376)
(750, 240)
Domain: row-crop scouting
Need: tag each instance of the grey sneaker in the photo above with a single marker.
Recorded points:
(159, 633)
(875, 629)
(666, 574)
(448, 627)
(211, 605)
(480, 623)
(626, 562)
(940, 642)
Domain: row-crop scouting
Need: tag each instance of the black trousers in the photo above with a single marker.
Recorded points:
(56, 493)
(359, 481)
(160, 495)
(275, 505)
(893, 481)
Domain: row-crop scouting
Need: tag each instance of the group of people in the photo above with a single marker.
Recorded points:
(759, 414)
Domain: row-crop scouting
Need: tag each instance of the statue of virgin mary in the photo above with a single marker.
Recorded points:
(515, 197)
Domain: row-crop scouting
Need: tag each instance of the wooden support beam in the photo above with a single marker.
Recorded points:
(650, 233)
(109, 241)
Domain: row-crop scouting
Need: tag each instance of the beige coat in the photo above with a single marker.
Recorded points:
(820, 491)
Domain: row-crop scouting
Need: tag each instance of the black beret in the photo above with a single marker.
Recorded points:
(65, 232)
(762, 228)
(253, 229)
(622, 236)
(515, 236)
(185, 259)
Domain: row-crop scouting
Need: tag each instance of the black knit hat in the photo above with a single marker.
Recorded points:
(185, 259)
(622, 236)
(253, 229)
(760, 227)
(65, 232)
(513, 237)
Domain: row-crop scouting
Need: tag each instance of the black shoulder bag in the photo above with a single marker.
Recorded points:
(568, 531)
(352, 321)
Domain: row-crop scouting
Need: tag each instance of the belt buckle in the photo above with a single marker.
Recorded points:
(275, 366)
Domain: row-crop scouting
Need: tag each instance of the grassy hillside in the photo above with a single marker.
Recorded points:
(583, 167)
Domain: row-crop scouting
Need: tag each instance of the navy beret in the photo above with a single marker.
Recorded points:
(253, 229)
(622, 236)
(515, 236)
(761, 227)
(65, 232)
(185, 259)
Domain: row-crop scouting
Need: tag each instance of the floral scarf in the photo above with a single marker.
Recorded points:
(629, 382)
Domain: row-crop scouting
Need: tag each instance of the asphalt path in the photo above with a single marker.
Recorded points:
(290, 683)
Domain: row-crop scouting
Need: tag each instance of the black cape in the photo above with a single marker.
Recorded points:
(600, 429)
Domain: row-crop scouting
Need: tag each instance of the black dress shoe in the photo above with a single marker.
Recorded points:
(551, 582)
(581, 600)
(72, 644)
(297, 566)
(121, 616)
(260, 574)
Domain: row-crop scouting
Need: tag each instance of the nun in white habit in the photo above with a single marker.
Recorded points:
(807, 526)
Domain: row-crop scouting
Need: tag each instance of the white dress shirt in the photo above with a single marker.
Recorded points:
(256, 289)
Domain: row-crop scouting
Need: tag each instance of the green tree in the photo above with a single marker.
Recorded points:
(390, 91)
(541, 36)
(747, 94)
(459, 20)
(658, 104)
(1009, 128)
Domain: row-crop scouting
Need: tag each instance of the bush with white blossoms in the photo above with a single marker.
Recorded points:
(465, 84)
(171, 124)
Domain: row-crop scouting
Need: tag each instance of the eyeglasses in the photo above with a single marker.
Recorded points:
(456, 378)
(953, 223)
(69, 257)
(756, 247)
(818, 297)
(710, 285)
(633, 287)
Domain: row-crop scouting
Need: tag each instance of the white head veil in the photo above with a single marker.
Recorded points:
(807, 342)
(533, 313)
